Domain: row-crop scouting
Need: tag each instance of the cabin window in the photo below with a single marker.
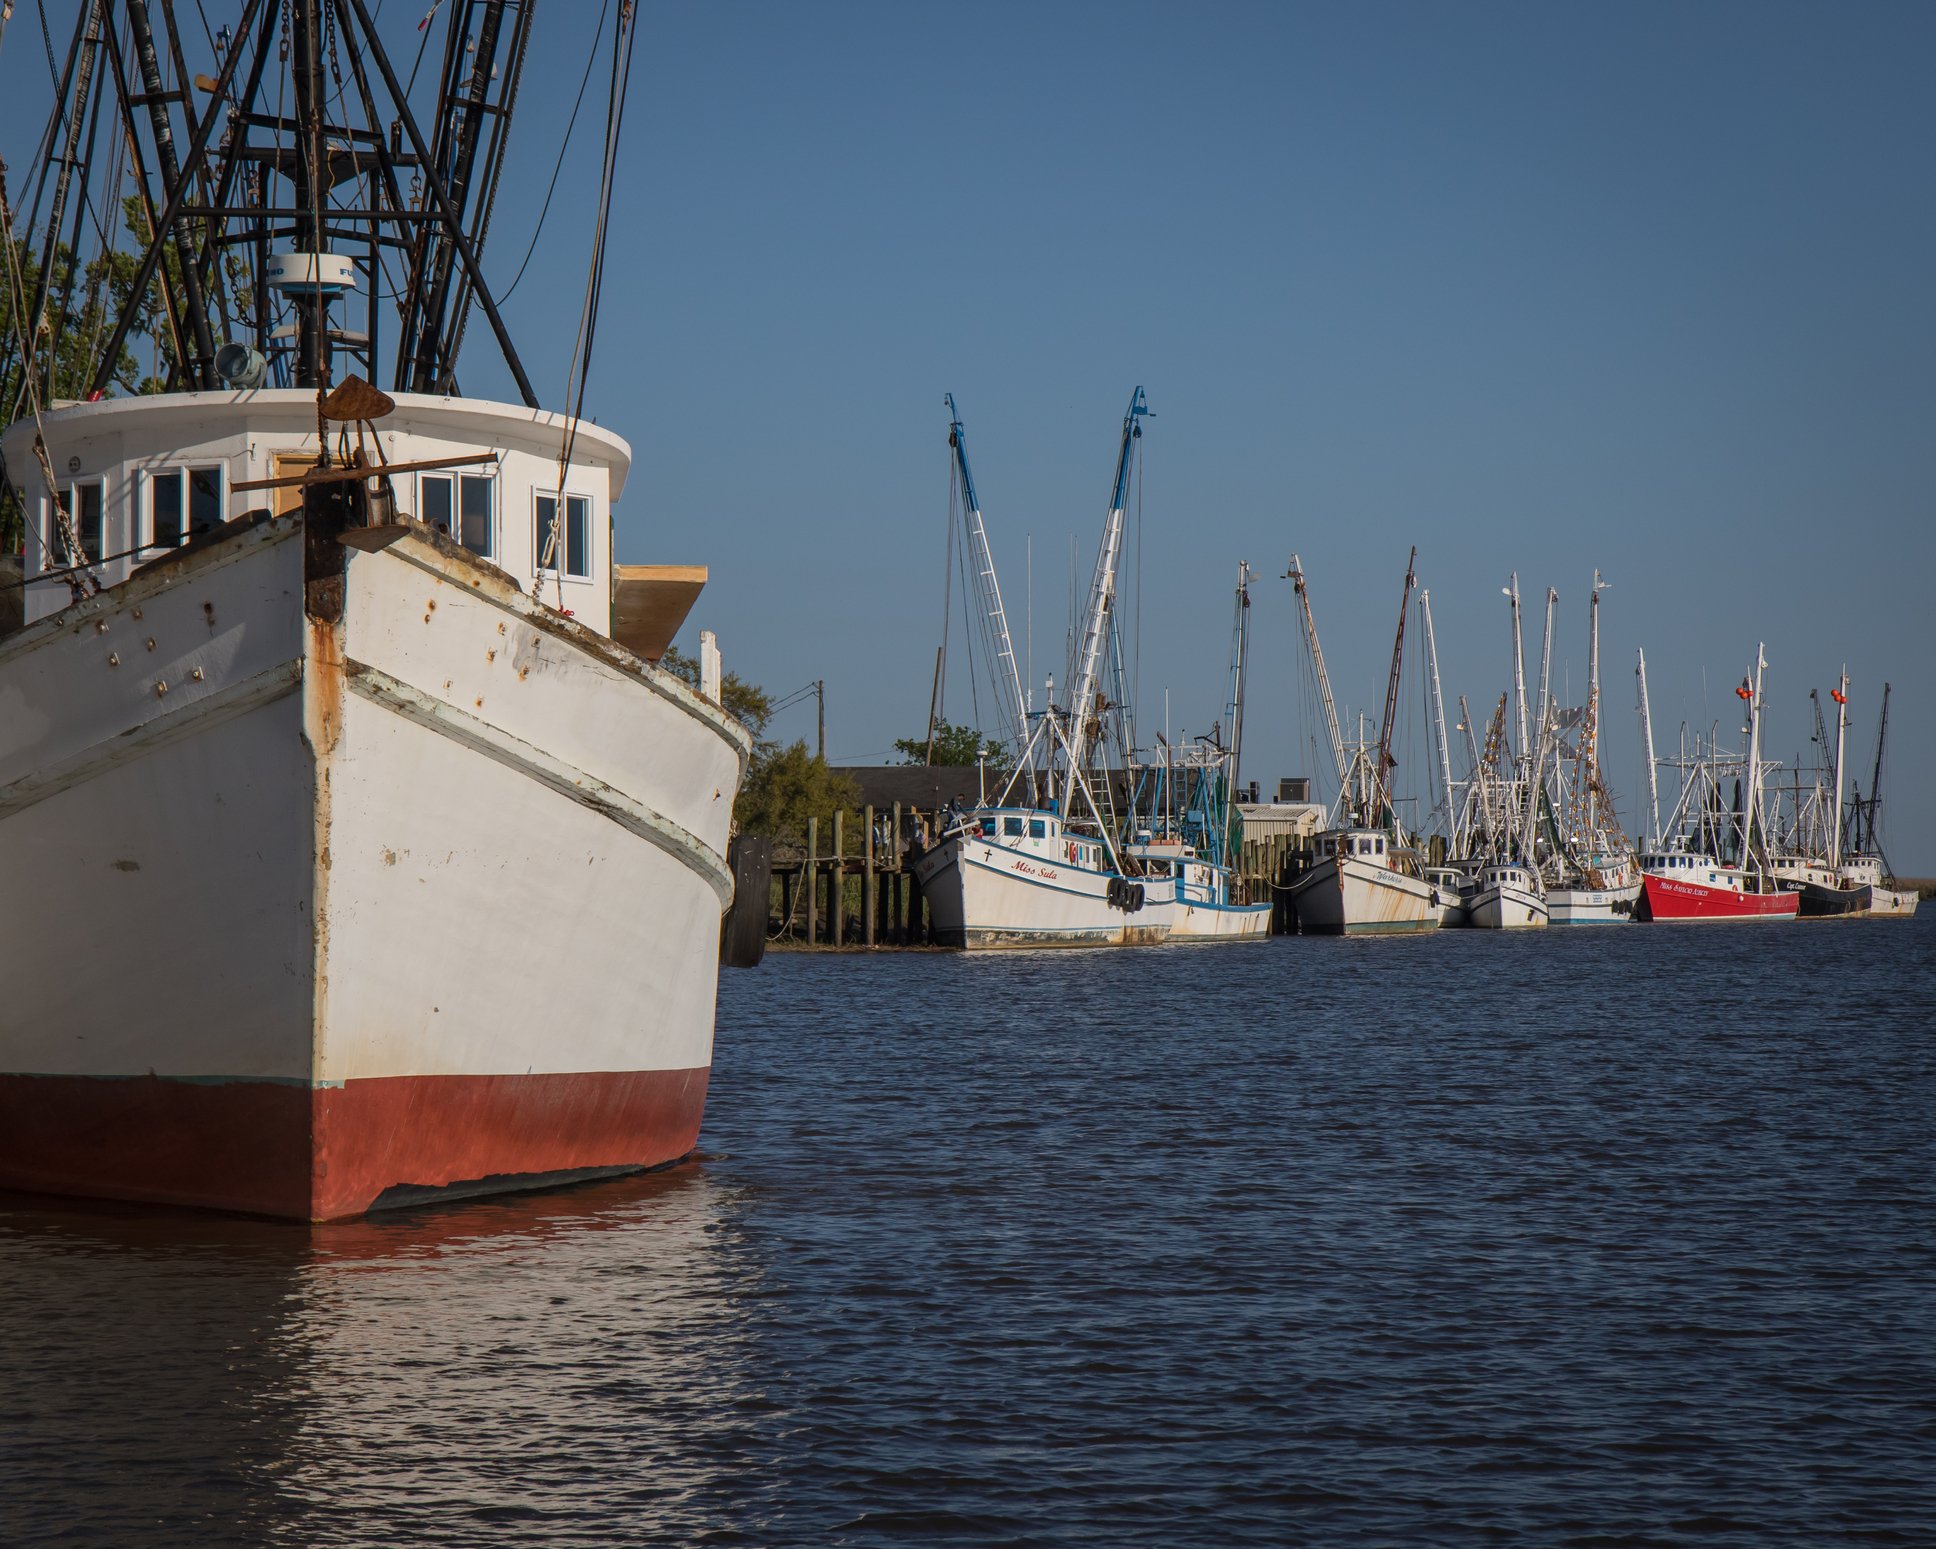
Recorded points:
(181, 503)
(574, 547)
(1012, 827)
(462, 505)
(1380, 845)
(85, 510)
(1038, 829)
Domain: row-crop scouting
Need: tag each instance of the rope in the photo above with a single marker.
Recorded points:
(581, 354)
(591, 59)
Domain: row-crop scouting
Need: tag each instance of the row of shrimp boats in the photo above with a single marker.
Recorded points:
(1093, 840)
(1530, 837)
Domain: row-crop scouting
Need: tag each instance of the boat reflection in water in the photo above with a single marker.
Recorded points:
(570, 1362)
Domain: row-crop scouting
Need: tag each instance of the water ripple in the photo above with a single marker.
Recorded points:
(1620, 1237)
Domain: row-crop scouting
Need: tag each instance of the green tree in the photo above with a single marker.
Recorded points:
(786, 786)
(63, 343)
(953, 745)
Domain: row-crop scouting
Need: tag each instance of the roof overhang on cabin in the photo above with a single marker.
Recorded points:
(650, 603)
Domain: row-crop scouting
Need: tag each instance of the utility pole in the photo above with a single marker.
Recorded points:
(820, 736)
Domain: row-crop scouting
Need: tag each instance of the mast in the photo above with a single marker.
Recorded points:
(1462, 820)
(1874, 846)
(1647, 741)
(1519, 667)
(1529, 832)
(1386, 763)
(1296, 577)
(1239, 659)
(1751, 797)
(1543, 718)
(1841, 734)
(1008, 676)
(1102, 591)
(1590, 738)
(1443, 746)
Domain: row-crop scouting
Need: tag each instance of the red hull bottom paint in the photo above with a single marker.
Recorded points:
(323, 1153)
(1661, 899)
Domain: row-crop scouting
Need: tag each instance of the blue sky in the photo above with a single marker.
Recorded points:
(1534, 287)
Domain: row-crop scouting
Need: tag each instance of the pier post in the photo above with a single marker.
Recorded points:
(896, 919)
(837, 884)
(811, 876)
(867, 900)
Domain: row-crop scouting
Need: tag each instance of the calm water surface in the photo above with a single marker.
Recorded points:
(1622, 1236)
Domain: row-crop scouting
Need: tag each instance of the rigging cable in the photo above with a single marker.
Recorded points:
(571, 123)
(581, 360)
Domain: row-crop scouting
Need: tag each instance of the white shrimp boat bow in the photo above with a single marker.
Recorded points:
(343, 867)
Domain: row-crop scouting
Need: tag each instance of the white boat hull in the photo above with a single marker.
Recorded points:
(313, 912)
(1591, 906)
(1194, 921)
(1345, 895)
(983, 896)
(1896, 903)
(1498, 906)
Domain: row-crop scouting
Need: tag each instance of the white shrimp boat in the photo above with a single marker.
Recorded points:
(1603, 894)
(1193, 820)
(1362, 877)
(1039, 867)
(1206, 910)
(1452, 891)
(1354, 886)
(1508, 897)
(1855, 882)
(1205, 907)
(353, 858)
(1863, 880)
(1006, 877)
